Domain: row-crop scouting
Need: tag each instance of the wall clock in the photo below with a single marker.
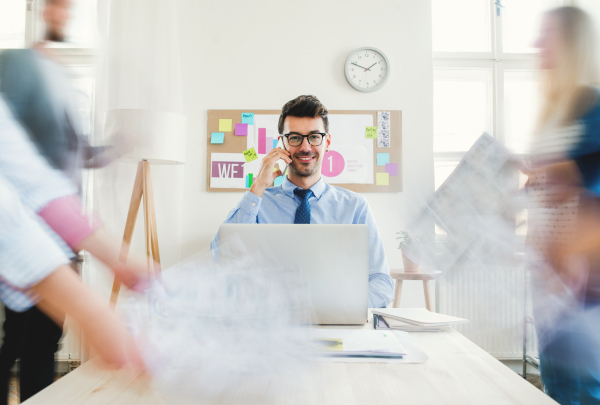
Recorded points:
(367, 69)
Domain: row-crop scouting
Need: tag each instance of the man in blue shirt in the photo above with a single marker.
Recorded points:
(303, 197)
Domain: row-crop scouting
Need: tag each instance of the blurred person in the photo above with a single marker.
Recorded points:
(48, 193)
(564, 214)
(45, 279)
(303, 197)
(39, 92)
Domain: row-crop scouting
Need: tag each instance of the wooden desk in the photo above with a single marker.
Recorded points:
(457, 372)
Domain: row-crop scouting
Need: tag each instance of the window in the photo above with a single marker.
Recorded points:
(484, 74)
(12, 24)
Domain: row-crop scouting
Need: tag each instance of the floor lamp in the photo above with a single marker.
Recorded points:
(155, 137)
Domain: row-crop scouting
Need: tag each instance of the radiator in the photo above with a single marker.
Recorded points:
(493, 300)
(69, 348)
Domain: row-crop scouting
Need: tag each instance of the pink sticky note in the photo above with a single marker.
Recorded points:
(391, 168)
(262, 141)
(241, 129)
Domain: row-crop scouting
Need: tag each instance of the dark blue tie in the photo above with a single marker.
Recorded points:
(303, 211)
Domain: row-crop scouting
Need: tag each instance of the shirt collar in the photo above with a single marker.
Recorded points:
(288, 188)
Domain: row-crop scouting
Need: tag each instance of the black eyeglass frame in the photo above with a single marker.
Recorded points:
(287, 136)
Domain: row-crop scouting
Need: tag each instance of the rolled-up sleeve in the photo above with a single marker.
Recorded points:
(27, 253)
(381, 285)
(245, 212)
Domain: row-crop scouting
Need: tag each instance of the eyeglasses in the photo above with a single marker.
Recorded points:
(315, 139)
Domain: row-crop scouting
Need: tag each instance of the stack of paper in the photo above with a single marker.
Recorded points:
(364, 343)
(418, 318)
(406, 327)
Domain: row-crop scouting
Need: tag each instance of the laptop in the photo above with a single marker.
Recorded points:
(333, 259)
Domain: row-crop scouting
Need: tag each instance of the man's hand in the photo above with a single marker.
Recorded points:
(267, 173)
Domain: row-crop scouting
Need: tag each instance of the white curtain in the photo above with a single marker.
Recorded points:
(138, 67)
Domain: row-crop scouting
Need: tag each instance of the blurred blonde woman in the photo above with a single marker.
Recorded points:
(564, 191)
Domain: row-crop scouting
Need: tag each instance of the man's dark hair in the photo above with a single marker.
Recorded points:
(304, 106)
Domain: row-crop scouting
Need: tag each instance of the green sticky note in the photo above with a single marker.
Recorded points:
(217, 137)
(371, 132)
(250, 179)
(250, 155)
(382, 179)
(225, 125)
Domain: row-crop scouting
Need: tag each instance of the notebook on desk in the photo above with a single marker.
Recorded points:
(419, 317)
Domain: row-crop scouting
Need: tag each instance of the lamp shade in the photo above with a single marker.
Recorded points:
(156, 136)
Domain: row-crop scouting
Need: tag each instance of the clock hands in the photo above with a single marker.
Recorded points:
(360, 66)
(366, 69)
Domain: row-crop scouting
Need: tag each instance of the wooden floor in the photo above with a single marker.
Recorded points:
(14, 397)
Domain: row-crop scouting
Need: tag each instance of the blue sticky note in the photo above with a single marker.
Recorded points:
(217, 137)
(275, 143)
(278, 181)
(248, 118)
(383, 159)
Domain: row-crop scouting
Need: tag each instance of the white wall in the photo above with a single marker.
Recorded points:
(259, 54)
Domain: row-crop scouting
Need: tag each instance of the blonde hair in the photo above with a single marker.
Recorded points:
(576, 67)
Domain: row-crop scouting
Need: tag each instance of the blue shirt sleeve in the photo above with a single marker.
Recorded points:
(381, 286)
(245, 212)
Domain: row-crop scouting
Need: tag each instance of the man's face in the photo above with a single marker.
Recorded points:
(306, 159)
(56, 16)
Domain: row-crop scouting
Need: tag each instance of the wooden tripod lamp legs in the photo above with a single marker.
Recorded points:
(142, 188)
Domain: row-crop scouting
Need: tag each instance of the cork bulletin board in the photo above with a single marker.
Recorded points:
(365, 154)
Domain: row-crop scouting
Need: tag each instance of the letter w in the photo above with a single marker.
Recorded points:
(224, 170)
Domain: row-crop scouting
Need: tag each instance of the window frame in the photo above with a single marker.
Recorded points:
(497, 62)
(70, 56)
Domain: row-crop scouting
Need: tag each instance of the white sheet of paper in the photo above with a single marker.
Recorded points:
(348, 138)
(250, 138)
(415, 354)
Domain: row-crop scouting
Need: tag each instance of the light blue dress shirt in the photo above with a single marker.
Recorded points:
(29, 249)
(328, 205)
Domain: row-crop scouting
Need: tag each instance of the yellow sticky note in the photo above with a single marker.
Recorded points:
(382, 179)
(371, 132)
(250, 154)
(226, 125)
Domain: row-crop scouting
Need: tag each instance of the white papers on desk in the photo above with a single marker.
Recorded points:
(359, 342)
(414, 353)
(419, 317)
(407, 327)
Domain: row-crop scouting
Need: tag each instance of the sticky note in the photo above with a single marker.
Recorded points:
(225, 125)
(371, 132)
(278, 181)
(391, 168)
(383, 159)
(275, 143)
(248, 118)
(250, 155)
(382, 179)
(241, 129)
(217, 137)
(250, 179)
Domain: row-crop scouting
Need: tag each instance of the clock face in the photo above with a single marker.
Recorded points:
(367, 69)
